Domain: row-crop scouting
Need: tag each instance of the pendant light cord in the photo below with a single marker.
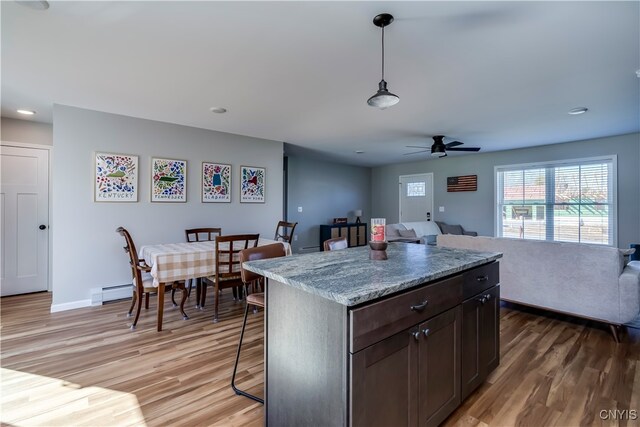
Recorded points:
(382, 53)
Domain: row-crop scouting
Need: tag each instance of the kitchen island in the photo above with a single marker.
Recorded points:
(351, 341)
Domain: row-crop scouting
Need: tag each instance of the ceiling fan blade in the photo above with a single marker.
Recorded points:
(417, 146)
(453, 144)
(464, 149)
(415, 152)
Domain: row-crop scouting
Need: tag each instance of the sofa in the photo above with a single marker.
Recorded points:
(425, 231)
(590, 281)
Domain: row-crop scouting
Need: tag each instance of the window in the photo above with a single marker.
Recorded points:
(568, 201)
(416, 189)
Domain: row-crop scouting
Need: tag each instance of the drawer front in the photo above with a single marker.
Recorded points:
(480, 279)
(377, 321)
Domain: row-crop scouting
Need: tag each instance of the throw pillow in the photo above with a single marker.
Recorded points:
(451, 229)
(408, 233)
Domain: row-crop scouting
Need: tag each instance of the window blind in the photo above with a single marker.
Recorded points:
(569, 201)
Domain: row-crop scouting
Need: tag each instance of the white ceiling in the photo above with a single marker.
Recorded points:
(497, 75)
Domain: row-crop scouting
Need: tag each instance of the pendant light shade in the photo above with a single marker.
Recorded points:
(383, 98)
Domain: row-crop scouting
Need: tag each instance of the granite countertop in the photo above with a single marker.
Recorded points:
(349, 277)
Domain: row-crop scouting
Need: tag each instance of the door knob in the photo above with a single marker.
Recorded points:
(426, 332)
(416, 335)
(42, 227)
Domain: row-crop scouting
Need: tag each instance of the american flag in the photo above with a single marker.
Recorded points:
(462, 183)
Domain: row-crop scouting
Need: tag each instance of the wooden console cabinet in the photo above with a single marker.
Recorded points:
(409, 359)
(355, 233)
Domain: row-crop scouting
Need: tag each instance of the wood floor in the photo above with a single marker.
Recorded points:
(84, 367)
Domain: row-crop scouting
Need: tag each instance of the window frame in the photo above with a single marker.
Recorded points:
(613, 214)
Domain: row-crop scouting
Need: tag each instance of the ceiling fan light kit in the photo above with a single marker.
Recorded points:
(439, 148)
(383, 98)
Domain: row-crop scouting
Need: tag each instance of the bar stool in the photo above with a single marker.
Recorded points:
(255, 299)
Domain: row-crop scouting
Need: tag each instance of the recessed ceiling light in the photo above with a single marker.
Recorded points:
(36, 5)
(578, 110)
(218, 110)
(26, 112)
(359, 151)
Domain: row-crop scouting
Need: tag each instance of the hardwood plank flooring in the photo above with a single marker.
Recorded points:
(85, 367)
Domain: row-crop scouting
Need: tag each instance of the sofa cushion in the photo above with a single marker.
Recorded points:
(423, 228)
(408, 233)
(393, 230)
(451, 229)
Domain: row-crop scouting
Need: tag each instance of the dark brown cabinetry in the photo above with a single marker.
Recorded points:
(355, 233)
(409, 359)
(439, 367)
(383, 382)
(480, 338)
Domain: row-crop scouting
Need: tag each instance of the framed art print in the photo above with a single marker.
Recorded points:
(168, 180)
(252, 184)
(115, 178)
(216, 183)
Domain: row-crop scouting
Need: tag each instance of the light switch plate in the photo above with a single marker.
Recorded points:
(441, 209)
(299, 208)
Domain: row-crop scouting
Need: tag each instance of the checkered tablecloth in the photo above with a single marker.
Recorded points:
(181, 261)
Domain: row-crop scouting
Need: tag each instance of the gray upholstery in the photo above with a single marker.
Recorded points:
(427, 231)
(585, 280)
(454, 229)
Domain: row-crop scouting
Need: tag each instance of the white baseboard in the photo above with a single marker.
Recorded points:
(70, 305)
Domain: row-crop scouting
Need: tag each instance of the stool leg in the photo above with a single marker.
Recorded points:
(235, 366)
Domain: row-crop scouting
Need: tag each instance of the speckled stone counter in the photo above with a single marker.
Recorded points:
(349, 277)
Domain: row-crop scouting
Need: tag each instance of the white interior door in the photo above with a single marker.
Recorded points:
(416, 197)
(24, 220)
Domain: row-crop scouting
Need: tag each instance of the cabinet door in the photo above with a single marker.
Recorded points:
(383, 384)
(480, 338)
(353, 236)
(490, 331)
(470, 370)
(362, 235)
(439, 367)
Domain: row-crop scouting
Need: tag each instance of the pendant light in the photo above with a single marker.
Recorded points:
(383, 98)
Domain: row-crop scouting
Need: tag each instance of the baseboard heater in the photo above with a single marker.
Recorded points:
(100, 296)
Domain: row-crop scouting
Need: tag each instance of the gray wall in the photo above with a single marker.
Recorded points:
(87, 252)
(475, 210)
(325, 190)
(26, 131)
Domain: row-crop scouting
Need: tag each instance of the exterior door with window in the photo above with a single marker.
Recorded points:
(24, 219)
(416, 197)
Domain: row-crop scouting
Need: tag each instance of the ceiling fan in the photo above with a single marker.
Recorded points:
(439, 148)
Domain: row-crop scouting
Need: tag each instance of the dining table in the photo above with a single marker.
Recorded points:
(173, 262)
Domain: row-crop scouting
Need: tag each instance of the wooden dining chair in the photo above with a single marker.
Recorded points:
(228, 274)
(199, 235)
(142, 281)
(250, 278)
(335, 244)
(284, 231)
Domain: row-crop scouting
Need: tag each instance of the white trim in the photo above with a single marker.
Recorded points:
(400, 193)
(26, 145)
(49, 148)
(70, 305)
(613, 158)
(502, 168)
